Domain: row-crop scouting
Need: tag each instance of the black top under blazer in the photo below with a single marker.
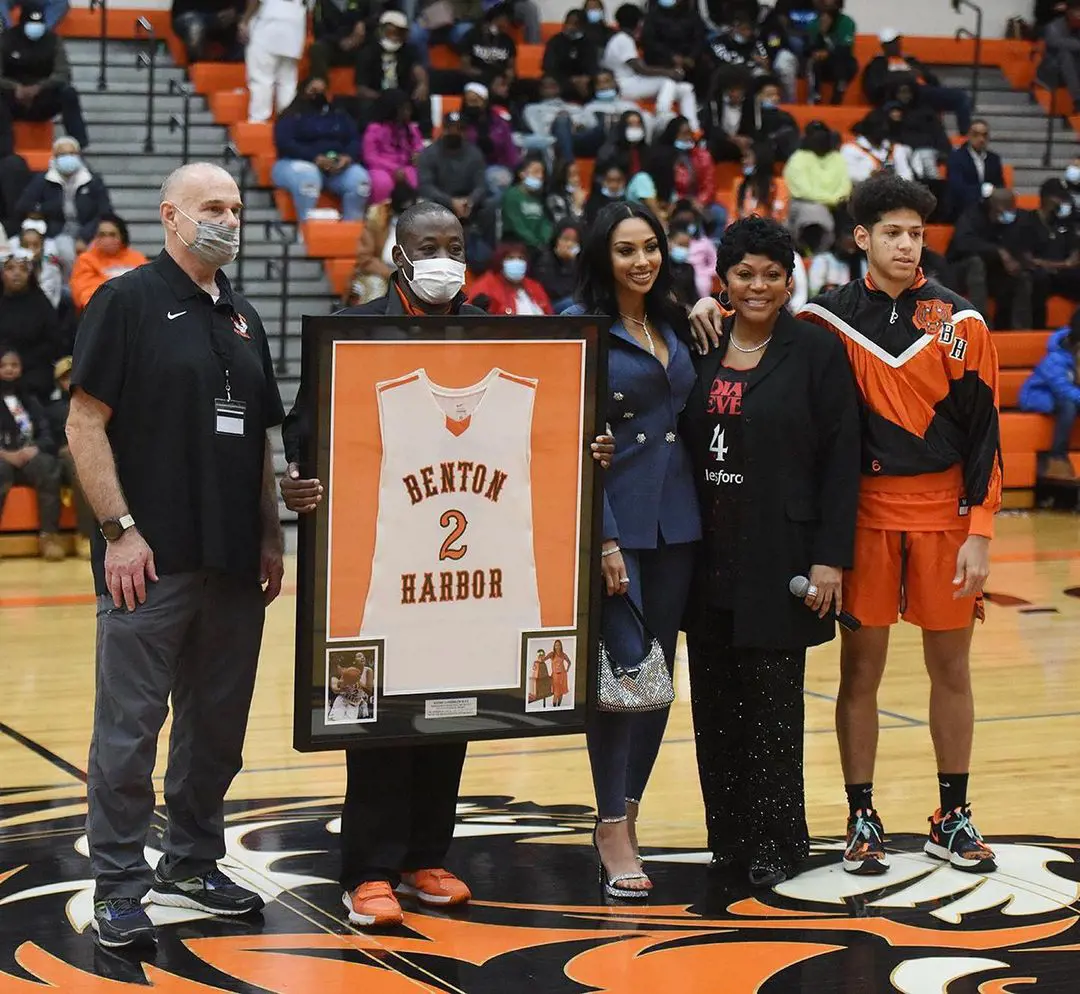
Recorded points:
(801, 432)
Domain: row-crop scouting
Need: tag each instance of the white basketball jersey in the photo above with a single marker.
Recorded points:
(453, 581)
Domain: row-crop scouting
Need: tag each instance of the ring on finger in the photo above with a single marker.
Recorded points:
(812, 590)
(624, 579)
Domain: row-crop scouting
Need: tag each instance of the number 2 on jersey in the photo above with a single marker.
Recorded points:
(458, 522)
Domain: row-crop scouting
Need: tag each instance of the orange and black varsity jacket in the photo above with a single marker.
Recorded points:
(927, 375)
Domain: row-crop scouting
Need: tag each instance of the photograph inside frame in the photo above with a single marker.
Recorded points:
(458, 531)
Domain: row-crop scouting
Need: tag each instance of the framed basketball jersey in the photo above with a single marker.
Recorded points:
(456, 543)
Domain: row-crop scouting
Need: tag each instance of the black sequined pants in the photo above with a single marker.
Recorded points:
(748, 727)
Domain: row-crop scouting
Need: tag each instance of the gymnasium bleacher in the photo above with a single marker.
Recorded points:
(333, 243)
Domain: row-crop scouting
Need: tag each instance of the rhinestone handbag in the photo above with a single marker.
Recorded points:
(643, 686)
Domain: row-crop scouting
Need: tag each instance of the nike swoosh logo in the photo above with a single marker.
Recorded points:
(173, 317)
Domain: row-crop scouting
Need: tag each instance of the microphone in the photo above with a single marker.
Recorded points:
(799, 586)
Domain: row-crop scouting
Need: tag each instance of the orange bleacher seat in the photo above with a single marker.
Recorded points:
(1020, 469)
(20, 512)
(253, 139)
(37, 159)
(444, 57)
(210, 77)
(1009, 175)
(1022, 432)
(81, 22)
(330, 239)
(338, 273)
(938, 237)
(1009, 383)
(33, 134)
(1019, 349)
(840, 118)
(342, 81)
(586, 168)
(529, 61)
(285, 207)
(228, 106)
(1027, 201)
(261, 167)
(1059, 311)
(549, 29)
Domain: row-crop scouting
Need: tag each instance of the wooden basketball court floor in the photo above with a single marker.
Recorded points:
(538, 923)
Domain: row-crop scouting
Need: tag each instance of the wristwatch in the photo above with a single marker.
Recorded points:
(114, 528)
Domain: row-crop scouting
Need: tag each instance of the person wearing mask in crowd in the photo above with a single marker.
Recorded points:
(673, 35)
(870, 150)
(339, 28)
(597, 30)
(609, 186)
(451, 172)
(70, 198)
(970, 166)
(391, 145)
(109, 255)
(488, 48)
(28, 453)
(702, 255)
(209, 28)
(729, 121)
(572, 57)
(831, 56)
(386, 61)
(524, 213)
(651, 525)
(1060, 65)
(1071, 177)
(35, 75)
(679, 168)
(399, 835)
(182, 585)
(585, 132)
(274, 33)
(46, 259)
(506, 286)
(556, 267)
(817, 179)
(885, 72)
(639, 81)
(761, 191)
(1053, 388)
(318, 148)
(566, 195)
(1048, 247)
(375, 252)
(984, 254)
(770, 124)
(772, 425)
(29, 325)
(57, 413)
(683, 277)
(741, 48)
(489, 131)
(931, 485)
(627, 147)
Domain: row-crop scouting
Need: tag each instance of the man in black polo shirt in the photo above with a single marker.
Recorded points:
(173, 394)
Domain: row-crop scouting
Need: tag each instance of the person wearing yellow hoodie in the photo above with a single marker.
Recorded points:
(817, 179)
(110, 254)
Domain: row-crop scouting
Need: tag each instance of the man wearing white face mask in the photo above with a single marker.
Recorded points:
(173, 396)
(396, 826)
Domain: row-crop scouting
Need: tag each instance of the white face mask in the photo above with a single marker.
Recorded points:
(436, 281)
(635, 135)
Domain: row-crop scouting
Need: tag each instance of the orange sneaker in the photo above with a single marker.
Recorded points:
(436, 886)
(373, 903)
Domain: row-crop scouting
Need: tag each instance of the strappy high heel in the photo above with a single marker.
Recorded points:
(611, 884)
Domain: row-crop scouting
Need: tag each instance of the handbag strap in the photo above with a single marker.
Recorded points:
(636, 611)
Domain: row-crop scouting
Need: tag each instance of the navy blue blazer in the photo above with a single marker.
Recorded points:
(649, 490)
(962, 178)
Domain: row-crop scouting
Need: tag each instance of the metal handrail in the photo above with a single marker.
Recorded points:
(280, 270)
(185, 90)
(977, 36)
(232, 154)
(148, 59)
(1051, 116)
(104, 36)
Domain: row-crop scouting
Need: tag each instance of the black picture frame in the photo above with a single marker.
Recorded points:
(402, 719)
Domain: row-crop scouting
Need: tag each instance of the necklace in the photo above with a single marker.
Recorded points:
(644, 325)
(757, 348)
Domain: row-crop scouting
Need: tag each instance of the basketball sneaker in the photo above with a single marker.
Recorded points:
(214, 893)
(122, 921)
(373, 903)
(437, 887)
(865, 852)
(954, 839)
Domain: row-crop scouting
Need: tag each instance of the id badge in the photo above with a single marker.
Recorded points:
(229, 416)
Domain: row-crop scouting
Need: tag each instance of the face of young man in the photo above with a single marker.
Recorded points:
(893, 246)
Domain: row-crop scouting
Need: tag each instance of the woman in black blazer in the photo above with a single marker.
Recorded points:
(773, 429)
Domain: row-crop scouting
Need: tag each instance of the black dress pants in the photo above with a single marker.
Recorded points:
(748, 728)
(399, 809)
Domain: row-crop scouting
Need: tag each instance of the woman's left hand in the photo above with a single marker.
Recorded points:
(826, 590)
(603, 449)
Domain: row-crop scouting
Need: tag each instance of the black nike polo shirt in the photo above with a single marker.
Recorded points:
(156, 349)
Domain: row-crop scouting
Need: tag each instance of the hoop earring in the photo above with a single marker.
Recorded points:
(788, 301)
(726, 304)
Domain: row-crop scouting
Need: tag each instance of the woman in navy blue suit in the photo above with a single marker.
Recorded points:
(651, 519)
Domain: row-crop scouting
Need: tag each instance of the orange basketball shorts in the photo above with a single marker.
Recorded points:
(908, 575)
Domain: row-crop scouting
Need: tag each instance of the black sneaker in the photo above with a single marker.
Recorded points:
(121, 921)
(954, 839)
(865, 851)
(214, 893)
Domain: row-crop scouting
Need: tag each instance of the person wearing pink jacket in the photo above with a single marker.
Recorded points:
(391, 144)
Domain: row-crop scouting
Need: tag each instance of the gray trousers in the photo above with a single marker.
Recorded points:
(196, 637)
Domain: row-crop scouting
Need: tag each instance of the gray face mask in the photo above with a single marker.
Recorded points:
(216, 244)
